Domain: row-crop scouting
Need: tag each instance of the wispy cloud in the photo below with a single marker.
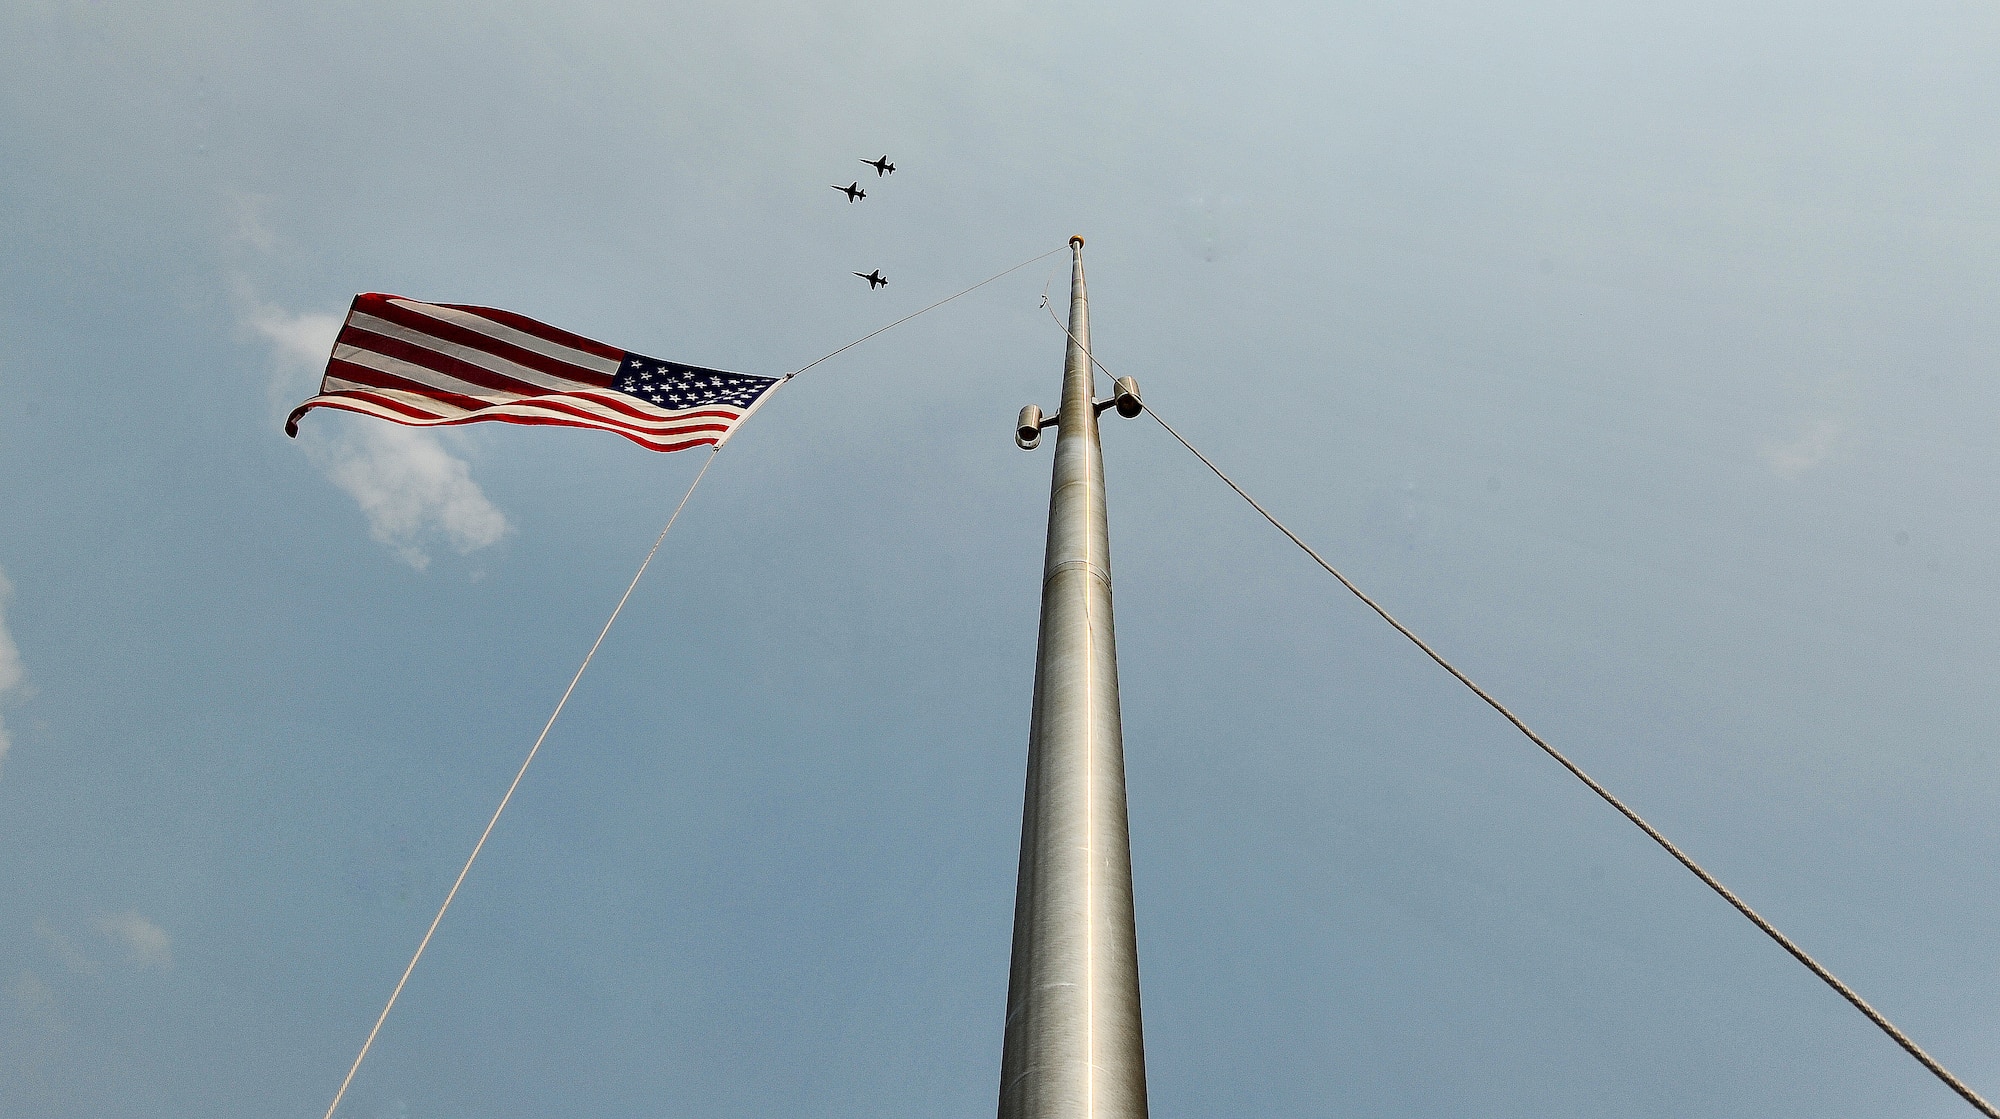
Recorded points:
(144, 942)
(252, 228)
(1817, 440)
(300, 344)
(1822, 431)
(11, 673)
(38, 1003)
(71, 956)
(413, 491)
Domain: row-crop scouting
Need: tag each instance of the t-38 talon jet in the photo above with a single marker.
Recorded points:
(875, 279)
(882, 166)
(852, 190)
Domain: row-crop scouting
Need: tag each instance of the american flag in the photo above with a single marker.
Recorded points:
(427, 364)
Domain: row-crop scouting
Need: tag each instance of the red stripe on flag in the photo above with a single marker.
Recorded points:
(437, 362)
(454, 334)
(521, 323)
(376, 378)
(435, 369)
(368, 403)
(708, 419)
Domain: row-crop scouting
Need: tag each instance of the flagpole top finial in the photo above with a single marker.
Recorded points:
(1076, 241)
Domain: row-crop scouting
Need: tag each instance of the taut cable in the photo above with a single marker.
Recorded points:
(925, 311)
(1653, 833)
(529, 760)
(522, 772)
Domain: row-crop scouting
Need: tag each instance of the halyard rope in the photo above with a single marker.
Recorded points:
(522, 772)
(539, 739)
(1728, 895)
(927, 310)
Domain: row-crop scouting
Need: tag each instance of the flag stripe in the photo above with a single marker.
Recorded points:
(606, 364)
(536, 412)
(351, 369)
(428, 407)
(586, 407)
(367, 367)
(399, 322)
(428, 364)
(508, 325)
(470, 367)
(366, 405)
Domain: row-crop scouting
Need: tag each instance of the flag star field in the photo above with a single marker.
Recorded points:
(668, 384)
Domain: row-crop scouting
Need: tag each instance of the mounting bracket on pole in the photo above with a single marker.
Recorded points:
(1028, 428)
(1124, 397)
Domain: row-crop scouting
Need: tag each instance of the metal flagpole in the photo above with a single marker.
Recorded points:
(1073, 1047)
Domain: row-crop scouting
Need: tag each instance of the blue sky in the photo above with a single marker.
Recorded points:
(1638, 357)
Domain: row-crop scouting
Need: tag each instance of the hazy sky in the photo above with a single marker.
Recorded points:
(1639, 355)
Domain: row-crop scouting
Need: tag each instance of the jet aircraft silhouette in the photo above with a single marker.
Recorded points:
(875, 279)
(852, 190)
(882, 166)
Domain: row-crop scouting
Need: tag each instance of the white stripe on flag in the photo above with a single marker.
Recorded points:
(592, 405)
(437, 414)
(508, 334)
(487, 361)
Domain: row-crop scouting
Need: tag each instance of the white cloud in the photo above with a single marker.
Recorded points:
(251, 227)
(410, 488)
(1819, 438)
(145, 942)
(299, 348)
(11, 672)
(1822, 429)
(38, 1003)
(71, 956)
